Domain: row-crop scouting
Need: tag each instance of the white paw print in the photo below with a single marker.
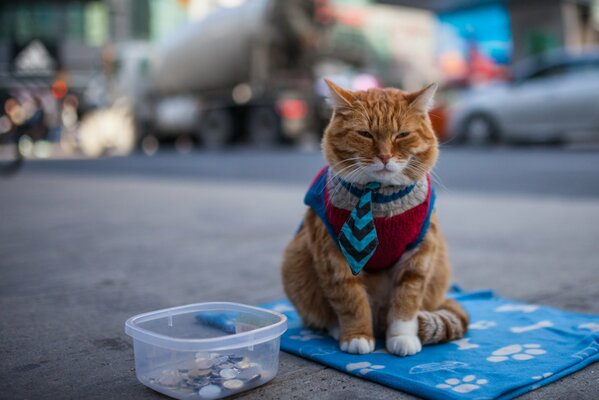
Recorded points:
(305, 335)
(516, 352)
(526, 308)
(364, 367)
(482, 325)
(545, 375)
(593, 327)
(465, 385)
(464, 344)
(283, 308)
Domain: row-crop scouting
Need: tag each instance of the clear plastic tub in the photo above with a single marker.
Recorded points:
(206, 350)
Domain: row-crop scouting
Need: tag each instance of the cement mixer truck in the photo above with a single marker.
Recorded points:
(240, 74)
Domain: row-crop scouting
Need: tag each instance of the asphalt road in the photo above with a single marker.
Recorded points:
(535, 171)
(84, 244)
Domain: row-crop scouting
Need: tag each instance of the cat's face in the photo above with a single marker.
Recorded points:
(380, 135)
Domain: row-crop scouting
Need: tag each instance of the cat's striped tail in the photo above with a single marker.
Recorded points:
(448, 322)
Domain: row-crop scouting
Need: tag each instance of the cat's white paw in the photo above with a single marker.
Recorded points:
(403, 345)
(359, 345)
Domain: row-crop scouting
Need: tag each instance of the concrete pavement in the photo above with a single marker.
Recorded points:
(81, 251)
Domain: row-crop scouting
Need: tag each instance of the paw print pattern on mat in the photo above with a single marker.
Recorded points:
(364, 367)
(465, 385)
(516, 352)
(590, 326)
(525, 308)
(464, 344)
(482, 325)
(305, 335)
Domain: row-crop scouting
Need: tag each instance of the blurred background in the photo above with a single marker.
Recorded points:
(96, 78)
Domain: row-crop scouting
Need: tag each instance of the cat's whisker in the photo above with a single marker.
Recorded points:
(348, 178)
(347, 160)
(351, 176)
(419, 167)
(422, 171)
(337, 173)
(348, 171)
(352, 160)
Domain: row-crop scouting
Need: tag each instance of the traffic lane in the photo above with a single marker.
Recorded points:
(527, 171)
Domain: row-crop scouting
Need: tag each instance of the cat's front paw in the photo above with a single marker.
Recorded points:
(357, 345)
(403, 345)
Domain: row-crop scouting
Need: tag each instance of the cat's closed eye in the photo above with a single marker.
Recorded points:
(402, 135)
(365, 134)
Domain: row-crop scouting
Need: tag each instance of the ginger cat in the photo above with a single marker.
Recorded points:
(369, 259)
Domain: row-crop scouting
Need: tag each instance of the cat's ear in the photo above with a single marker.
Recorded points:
(422, 100)
(340, 97)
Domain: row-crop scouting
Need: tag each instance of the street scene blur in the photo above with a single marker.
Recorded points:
(155, 153)
(92, 78)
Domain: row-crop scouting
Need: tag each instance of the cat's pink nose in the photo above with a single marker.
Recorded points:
(384, 158)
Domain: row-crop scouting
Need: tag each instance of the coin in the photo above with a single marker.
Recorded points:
(169, 378)
(243, 363)
(220, 360)
(249, 373)
(228, 373)
(210, 392)
(203, 363)
(233, 384)
(197, 373)
(253, 378)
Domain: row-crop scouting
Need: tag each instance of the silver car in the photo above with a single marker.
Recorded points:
(554, 98)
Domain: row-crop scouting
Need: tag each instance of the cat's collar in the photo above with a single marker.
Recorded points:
(384, 194)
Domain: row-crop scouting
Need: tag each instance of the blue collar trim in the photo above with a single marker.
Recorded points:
(376, 196)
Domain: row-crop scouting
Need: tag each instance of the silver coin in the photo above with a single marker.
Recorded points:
(228, 373)
(198, 373)
(253, 379)
(169, 379)
(203, 363)
(243, 363)
(232, 384)
(220, 360)
(216, 380)
(210, 392)
(198, 383)
(249, 373)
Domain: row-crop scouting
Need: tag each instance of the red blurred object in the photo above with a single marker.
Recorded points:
(293, 109)
(438, 116)
(59, 89)
(351, 17)
(482, 68)
(325, 14)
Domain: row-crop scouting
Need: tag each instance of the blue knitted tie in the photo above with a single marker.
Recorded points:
(357, 238)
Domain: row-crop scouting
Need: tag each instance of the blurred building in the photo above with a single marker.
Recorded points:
(400, 41)
(40, 38)
(477, 38)
(539, 26)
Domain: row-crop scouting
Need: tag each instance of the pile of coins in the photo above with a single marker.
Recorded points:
(212, 376)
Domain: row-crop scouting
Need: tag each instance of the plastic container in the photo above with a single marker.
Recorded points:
(206, 350)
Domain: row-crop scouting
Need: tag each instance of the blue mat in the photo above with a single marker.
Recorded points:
(510, 349)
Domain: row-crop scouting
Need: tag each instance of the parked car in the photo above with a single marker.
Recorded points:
(552, 98)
